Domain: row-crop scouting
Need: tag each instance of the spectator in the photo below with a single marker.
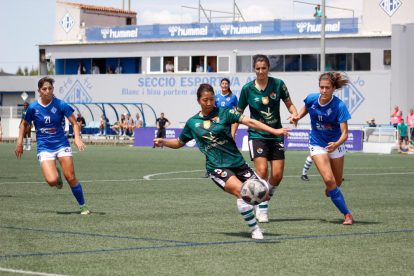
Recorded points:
(129, 125)
(95, 69)
(169, 67)
(102, 126)
(328, 66)
(120, 125)
(318, 12)
(396, 116)
(408, 149)
(161, 126)
(137, 122)
(81, 122)
(209, 68)
(370, 130)
(110, 69)
(199, 69)
(119, 69)
(202, 64)
(81, 69)
(402, 129)
(410, 122)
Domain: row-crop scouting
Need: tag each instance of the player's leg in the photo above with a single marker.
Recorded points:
(306, 167)
(29, 137)
(227, 180)
(24, 138)
(323, 163)
(50, 172)
(69, 171)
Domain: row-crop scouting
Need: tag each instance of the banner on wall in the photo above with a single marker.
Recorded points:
(234, 29)
(299, 139)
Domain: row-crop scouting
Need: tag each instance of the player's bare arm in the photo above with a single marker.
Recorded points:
(19, 147)
(262, 127)
(78, 142)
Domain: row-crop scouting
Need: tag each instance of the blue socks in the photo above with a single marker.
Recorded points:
(339, 201)
(77, 192)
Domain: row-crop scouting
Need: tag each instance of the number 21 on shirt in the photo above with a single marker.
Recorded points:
(47, 119)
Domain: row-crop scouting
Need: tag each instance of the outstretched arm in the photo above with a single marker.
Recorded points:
(171, 143)
(262, 127)
(75, 126)
(303, 112)
(19, 147)
(294, 113)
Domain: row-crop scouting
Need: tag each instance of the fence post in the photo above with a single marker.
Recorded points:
(11, 112)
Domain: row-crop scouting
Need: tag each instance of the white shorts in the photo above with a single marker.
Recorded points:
(52, 155)
(339, 152)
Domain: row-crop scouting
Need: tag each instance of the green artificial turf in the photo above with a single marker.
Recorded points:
(178, 223)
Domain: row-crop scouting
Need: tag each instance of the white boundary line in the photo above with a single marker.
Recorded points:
(147, 177)
(28, 272)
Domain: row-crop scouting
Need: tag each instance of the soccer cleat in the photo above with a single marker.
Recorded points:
(59, 185)
(262, 218)
(257, 234)
(304, 177)
(349, 219)
(84, 210)
(24, 147)
(206, 175)
(29, 147)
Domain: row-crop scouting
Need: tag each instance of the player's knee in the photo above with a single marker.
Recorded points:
(330, 181)
(70, 178)
(262, 172)
(52, 181)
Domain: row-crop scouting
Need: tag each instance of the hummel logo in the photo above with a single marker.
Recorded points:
(197, 124)
(248, 174)
(256, 99)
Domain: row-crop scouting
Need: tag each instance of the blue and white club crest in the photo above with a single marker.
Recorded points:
(351, 97)
(67, 22)
(77, 94)
(390, 6)
(53, 110)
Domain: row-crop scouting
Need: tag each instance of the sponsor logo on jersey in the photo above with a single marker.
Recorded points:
(216, 120)
(323, 127)
(256, 99)
(191, 143)
(53, 110)
(313, 106)
(284, 87)
(267, 115)
(206, 124)
(329, 111)
(37, 111)
(390, 6)
(223, 174)
(212, 138)
(197, 124)
(259, 150)
(273, 96)
(265, 100)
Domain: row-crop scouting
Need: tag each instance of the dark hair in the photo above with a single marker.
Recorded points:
(43, 80)
(336, 79)
(26, 103)
(228, 81)
(264, 58)
(205, 87)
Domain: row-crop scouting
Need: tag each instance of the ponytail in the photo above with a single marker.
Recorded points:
(335, 78)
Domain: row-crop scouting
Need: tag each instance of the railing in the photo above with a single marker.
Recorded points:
(11, 112)
(380, 134)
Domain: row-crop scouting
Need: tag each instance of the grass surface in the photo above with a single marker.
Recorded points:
(188, 226)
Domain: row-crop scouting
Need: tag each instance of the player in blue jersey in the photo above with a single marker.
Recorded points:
(329, 131)
(48, 114)
(226, 98)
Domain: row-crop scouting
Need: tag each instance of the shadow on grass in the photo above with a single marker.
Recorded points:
(8, 177)
(5, 196)
(358, 222)
(291, 220)
(248, 235)
(77, 213)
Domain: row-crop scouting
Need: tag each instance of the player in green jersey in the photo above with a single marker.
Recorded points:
(211, 129)
(27, 137)
(263, 96)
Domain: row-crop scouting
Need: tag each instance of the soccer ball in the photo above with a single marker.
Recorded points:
(254, 191)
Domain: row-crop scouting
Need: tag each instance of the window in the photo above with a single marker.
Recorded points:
(244, 64)
(211, 64)
(197, 64)
(338, 62)
(276, 63)
(310, 62)
(387, 57)
(155, 65)
(362, 62)
(183, 64)
(292, 63)
(223, 64)
(128, 21)
(168, 65)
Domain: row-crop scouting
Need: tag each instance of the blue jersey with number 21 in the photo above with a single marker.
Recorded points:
(325, 119)
(49, 122)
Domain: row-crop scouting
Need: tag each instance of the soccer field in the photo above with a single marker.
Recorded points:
(153, 214)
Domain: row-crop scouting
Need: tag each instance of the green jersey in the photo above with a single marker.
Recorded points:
(213, 136)
(264, 105)
(24, 114)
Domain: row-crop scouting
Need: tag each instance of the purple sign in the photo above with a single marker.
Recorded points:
(299, 140)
